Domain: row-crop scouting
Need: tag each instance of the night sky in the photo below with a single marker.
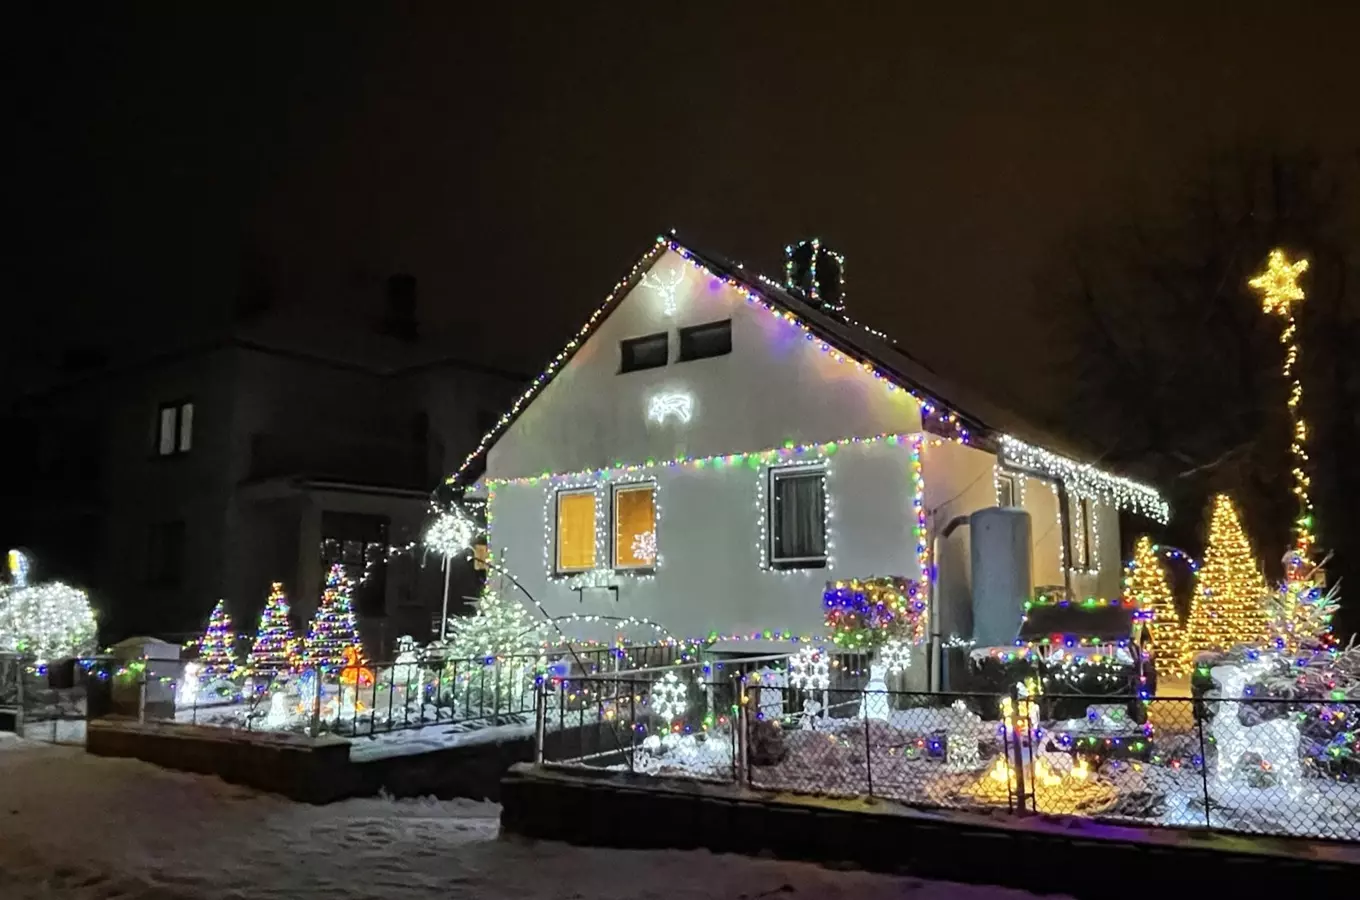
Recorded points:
(173, 158)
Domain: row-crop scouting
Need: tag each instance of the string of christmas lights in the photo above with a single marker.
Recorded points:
(1228, 607)
(217, 646)
(275, 644)
(334, 627)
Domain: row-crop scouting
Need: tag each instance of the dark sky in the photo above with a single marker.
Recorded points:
(517, 163)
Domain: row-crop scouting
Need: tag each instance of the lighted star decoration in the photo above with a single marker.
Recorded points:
(1279, 283)
(450, 534)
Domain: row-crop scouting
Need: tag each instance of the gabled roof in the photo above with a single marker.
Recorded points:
(946, 407)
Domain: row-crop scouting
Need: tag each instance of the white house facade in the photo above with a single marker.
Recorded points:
(711, 450)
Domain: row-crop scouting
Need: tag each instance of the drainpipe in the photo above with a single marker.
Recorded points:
(936, 651)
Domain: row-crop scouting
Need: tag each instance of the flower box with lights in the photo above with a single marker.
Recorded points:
(712, 446)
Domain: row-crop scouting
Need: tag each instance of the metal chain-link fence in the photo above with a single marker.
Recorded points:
(1256, 766)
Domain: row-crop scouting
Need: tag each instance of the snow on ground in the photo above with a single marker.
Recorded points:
(83, 827)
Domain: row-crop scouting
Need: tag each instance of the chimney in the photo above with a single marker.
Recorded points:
(399, 315)
(818, 273)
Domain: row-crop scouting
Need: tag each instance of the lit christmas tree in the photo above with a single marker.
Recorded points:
(274, 640)
(334, 627)
(1145, 583)
(1301, 612)
(217, 647)
(1229, 602)
(498, 628)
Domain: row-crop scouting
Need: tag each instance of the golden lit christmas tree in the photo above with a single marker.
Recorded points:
(1145, 583)
(1228, 608)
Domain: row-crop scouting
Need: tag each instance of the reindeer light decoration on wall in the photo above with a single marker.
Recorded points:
(665, 288)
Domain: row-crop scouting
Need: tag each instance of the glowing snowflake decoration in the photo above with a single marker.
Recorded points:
(644, 546)
(896, 656)
(670, 697)
(810, 669)
(450, 534)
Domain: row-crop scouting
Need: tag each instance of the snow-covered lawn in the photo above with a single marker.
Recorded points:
(82, 827)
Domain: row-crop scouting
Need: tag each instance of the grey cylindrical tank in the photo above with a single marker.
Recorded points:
(1003, 577)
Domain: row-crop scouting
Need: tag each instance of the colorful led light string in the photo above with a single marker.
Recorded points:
(1082, 479)
(665, 243)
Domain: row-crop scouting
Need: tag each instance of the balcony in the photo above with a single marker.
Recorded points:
(370, 461)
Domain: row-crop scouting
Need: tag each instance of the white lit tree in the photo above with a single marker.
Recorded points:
(44, 621)
(497, 628)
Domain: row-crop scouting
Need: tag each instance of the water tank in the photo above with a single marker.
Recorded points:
(1003, 578)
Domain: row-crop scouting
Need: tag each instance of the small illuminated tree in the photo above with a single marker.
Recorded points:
(274, 639)
(1230, 594)
(217, 647)
(1146, 584)
(334, 628)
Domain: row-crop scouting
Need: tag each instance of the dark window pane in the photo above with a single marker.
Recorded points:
(703, 341)
(798, 518)
(644, 353)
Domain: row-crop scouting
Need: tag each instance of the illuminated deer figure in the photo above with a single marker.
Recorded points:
(663, 406)
(665, 288)
(1276, 741)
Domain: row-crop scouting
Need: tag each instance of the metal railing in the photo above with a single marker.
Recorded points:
(1255, 766)
(51, 702)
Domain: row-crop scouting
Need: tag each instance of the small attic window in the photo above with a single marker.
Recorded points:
(703, 341)
(649, 352)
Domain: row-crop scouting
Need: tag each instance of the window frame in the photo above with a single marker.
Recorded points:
(627, 344)
(1010, 479)
(558, 568)
(775, 474)
(1080, 510)
(691, 330)
(614, 492)
(179, 446)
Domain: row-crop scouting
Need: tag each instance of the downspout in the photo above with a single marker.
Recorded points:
(936, 651)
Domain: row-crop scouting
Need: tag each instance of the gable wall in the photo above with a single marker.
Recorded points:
(775, 386)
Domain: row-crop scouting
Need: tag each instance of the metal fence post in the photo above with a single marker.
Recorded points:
(742, 737)
(540, 720)
(1017, 747)
(868, 757)
(19, 696)
(1197, 710)
(141, 695)
(316, 703)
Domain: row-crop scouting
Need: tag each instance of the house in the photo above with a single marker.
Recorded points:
(713, 447)
(165, 481)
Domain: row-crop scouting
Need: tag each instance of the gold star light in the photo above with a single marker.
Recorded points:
(1279, 283)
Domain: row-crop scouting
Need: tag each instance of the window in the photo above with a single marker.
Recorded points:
(635, 526)
(797, 517)
(165, 554)
(359, 542)
(1007, 491)
(575, 530)
(648, 352)
(703, 341)
(175, 429)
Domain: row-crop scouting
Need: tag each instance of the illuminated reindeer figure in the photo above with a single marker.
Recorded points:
(1276, 741)
(665, 288)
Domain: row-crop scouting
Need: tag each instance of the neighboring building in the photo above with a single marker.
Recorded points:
(163, 485)
(713, 448)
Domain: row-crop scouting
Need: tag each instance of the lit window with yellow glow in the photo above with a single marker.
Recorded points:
(575, 530)
(635, 526)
